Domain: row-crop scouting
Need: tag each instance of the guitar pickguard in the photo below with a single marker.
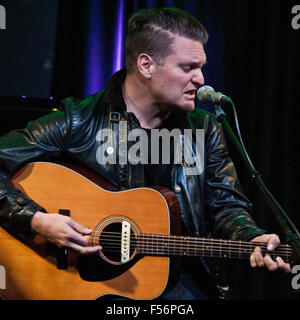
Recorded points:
(95, 268)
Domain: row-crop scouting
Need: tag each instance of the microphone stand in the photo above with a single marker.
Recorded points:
(291, 233)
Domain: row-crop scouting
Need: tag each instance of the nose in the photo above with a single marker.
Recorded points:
(198, 78)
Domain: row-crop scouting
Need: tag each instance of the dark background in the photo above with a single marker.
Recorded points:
(54, 49)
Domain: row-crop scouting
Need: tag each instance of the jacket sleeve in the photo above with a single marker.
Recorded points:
(42, 139)
(229, 209)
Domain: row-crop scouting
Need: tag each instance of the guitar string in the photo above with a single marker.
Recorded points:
(208, 253)
(198, 252)
(191, 241)
(195, 254)
(235, 249)
(179, 238)
(192, 246)
(188, 240)
(151, 248)
(117, 235)
(189, 251)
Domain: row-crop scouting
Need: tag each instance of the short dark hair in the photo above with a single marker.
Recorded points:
(152, 31)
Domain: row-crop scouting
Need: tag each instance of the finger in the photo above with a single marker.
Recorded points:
(78, 238)
(270, 263)
(273, 242)
(85, 250)
(259, 259)
(283, 265)
(79, 228)
(252, 261)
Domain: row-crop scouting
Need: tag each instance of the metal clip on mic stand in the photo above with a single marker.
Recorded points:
(291, 233)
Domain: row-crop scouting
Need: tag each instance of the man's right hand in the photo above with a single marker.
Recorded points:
(63, 231)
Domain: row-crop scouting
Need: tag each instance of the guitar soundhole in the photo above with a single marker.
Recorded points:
(111, 242)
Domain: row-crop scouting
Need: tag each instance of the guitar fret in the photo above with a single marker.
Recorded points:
(188, 250)
(152, 244)
(166, 246)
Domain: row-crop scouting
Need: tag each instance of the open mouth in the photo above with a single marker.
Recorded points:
(190, 93)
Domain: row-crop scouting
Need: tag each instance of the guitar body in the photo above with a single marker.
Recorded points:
(31, 270)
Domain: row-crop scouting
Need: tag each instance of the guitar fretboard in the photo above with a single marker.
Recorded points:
(170, 245)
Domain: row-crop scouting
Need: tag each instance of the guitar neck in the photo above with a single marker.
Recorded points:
(169, 245)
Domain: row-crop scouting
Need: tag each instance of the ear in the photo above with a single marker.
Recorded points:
(145, 65)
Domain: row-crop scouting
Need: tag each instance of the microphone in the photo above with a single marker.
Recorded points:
(207, 94)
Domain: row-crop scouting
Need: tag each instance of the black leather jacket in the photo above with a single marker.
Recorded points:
(211, 202)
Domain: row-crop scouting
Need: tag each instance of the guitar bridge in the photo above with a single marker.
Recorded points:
(125, 242)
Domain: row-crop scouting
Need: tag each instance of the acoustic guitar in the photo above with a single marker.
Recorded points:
(138, 230)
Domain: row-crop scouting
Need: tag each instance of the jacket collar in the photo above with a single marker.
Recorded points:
(113, 93)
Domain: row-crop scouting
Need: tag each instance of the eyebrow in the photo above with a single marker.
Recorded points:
(194, 63)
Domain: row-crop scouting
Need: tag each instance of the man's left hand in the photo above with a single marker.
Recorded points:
(257, 259)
